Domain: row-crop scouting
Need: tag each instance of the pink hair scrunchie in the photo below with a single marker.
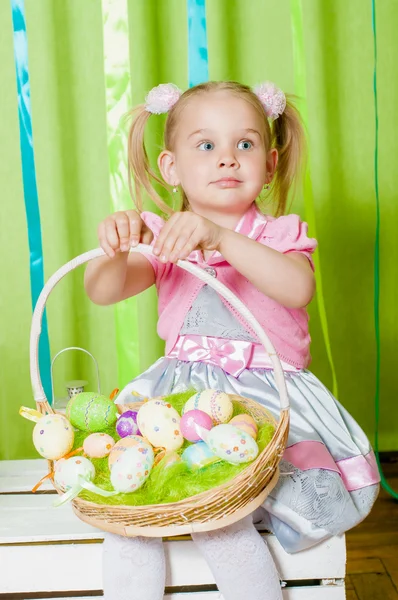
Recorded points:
(272, 99)
(162, 98)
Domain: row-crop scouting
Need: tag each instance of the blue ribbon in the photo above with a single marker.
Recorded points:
(198, 66)
(29, 180)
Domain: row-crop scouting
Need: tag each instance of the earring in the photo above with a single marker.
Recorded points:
(266, 187)
(175, 189)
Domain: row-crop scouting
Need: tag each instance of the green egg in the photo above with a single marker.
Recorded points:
(89, 411)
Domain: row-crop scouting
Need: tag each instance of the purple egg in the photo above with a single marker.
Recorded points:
(191, 423)
(127, 424)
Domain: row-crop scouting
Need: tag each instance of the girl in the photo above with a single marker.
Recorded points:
(223, 144)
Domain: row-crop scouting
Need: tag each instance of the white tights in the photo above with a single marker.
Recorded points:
(242, 566)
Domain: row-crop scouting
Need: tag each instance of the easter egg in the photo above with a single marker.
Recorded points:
(68, 471)
(130, 471)
(98, 445)
(126, 423)
(245, 423)
(159, 423)
(215, 403)
(53, 436)
(198, 456)
(190, 423)
(92, 412)
(131, 441)
(232, 444)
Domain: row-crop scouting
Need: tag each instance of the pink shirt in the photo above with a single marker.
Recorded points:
(287, 328)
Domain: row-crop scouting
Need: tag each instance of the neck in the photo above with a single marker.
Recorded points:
(229, 220)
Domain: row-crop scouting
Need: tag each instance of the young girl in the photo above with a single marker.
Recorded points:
(223, 144)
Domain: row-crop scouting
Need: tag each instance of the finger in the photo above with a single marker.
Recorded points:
(158, 249)
(189, 246)
(104, 242)
(136, 224)
(176, 238)
(111, 235)
(123, 229)
(185, 241)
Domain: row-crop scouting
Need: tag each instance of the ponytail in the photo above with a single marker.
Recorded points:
(140, 174)
(289, 139)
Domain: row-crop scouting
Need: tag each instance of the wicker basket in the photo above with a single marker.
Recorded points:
(208, 510)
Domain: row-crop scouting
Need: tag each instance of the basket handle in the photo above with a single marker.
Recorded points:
(38, 391)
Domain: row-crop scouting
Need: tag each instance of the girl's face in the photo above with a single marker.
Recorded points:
(219, 156)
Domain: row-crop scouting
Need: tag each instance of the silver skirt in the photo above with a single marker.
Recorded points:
(307, 505)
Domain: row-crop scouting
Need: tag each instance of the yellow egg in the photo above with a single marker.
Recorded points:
(159, 423)
(215, 403)
(53, 436)
(245, 423)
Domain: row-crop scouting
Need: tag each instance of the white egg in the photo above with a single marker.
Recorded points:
(130, 471)
(67, 472)
(215, 403)
(159, 423)
(53, 436)
(232, 444)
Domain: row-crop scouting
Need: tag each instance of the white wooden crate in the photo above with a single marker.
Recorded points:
(61, 554)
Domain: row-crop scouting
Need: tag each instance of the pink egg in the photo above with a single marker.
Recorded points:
(190, 423)
(98, 445)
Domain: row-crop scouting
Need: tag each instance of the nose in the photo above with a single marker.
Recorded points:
(228, 159)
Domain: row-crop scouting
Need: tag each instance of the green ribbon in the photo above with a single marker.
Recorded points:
(384, 483)
(296, 12)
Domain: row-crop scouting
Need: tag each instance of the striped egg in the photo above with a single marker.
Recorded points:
(215, 403)
(245, 423)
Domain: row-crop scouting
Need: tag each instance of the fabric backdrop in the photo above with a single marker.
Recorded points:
(249, 42)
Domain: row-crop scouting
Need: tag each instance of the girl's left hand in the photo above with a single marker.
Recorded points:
(183, 233)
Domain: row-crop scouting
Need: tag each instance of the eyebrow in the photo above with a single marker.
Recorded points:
(201, 131)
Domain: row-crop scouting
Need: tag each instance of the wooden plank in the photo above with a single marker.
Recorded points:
(351, 595)
(84, 560)
(374, 586)
(26, 519)
(22, 475)
(294, 593)
(365, 565)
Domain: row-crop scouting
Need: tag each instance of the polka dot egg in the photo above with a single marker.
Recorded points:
(232, 444)
(125, 444)
(98, 445)
(215, 403)
(68, 471)
(159, 423)
(130, 471)
(53, 436)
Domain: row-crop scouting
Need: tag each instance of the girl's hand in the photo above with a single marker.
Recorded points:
(121, 230)
(183, 233)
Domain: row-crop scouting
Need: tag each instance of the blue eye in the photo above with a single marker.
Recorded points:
(245, 145)
(206, 146)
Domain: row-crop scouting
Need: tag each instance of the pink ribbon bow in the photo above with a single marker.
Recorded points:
(232, 356)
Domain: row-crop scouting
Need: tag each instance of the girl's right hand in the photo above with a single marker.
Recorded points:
(121, 230)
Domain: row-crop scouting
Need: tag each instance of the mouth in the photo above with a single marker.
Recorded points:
(227, 182)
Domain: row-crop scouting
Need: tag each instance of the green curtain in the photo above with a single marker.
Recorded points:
(248, 41)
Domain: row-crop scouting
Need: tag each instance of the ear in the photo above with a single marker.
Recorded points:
(166, 164)
(271, 164)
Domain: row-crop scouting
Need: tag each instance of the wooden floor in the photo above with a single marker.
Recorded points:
(372, 547)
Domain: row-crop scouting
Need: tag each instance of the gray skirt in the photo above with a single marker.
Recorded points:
(329, 478)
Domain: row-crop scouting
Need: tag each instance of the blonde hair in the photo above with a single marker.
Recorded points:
(285, 133)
